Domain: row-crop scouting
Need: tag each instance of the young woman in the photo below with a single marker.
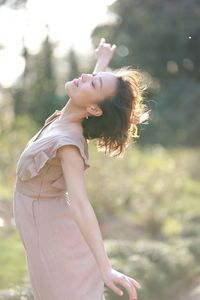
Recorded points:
(65, 254)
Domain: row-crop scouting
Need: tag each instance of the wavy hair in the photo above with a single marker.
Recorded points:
(121, 113)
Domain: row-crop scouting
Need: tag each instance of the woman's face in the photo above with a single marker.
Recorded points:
(89, 89)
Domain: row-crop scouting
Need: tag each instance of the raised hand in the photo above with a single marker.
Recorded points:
(104, 52)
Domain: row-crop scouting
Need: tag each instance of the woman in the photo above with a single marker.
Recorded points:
(65, 255)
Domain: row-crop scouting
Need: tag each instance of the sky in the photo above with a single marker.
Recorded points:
(70, 23)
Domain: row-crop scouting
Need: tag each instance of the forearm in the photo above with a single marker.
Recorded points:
(86, 219)
(100, 66)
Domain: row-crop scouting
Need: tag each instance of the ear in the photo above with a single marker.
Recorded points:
(94, 110)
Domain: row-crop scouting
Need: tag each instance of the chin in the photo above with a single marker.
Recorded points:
(69, 88)
(67, 84)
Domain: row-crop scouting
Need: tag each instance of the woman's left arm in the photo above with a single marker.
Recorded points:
(104, 53)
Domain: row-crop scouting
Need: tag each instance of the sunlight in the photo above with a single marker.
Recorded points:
(70, 24)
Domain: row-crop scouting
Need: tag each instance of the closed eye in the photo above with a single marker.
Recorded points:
(93, 82)
(100, 80)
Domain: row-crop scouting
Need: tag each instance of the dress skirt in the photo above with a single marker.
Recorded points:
(59, 261)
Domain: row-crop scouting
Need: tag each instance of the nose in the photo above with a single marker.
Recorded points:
(84, 76)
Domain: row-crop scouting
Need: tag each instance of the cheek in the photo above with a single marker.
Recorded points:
(81, 97)
(85, 90)
(85, 93)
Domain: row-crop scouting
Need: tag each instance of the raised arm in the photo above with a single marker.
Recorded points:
(104, 53)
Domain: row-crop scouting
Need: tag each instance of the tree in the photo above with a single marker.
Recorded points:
(13, 3)
(161, 37)
(73, 64)
(35, 93)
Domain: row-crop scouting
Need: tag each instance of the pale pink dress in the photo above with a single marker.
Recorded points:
(60, 263)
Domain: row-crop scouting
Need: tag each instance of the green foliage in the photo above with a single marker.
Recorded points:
(149, 213)
(151, 188)
(193, 244)
(156, 265)
(74, 67)
(14, 137)
(162, 38)
(12, 261)
(147, 203)
(191, 226)
(15, 4)
(36, 95)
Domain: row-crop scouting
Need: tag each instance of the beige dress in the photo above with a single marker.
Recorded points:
(60, 263)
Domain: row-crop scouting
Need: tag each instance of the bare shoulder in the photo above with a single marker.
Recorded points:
(70, 157)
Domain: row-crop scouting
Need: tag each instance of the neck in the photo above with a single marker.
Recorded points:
(72, 114)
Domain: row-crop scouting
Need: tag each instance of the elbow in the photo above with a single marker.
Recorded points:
(78, 204)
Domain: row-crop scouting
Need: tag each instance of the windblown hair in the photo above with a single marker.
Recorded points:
(121, 113)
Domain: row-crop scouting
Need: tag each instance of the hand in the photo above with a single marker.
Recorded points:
(105, 51)
(113, 277)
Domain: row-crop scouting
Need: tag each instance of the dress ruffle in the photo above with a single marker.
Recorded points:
(38, 153)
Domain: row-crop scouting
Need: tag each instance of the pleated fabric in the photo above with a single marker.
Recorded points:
(60, 263)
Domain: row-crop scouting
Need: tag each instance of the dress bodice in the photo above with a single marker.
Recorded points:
(39, 171)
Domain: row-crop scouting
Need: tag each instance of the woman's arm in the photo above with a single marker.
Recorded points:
(82, 211)
(104, 53)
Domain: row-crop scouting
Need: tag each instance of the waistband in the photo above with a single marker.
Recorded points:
(27, 189)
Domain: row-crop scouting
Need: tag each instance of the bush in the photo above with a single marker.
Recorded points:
(155, 265)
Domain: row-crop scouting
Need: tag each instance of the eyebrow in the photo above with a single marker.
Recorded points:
(101, 82)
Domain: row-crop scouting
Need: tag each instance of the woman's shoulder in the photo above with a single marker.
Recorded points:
(76, 138)
(38, 153)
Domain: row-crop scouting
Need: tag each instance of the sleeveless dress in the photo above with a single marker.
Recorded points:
(59, 262)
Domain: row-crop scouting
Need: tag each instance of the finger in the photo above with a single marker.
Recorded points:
(128, 286)
(135, 282)
(131, 289)
(116, 290)
(133, 292)
(102, 41)
(113, 47)
(106, 44)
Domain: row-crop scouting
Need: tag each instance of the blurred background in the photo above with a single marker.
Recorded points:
(148, 203)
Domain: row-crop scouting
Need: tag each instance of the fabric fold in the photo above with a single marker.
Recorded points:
(38, 153)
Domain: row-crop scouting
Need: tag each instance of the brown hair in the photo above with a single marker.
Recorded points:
(121, 113)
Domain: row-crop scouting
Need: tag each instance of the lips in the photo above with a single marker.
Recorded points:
(75, 81)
